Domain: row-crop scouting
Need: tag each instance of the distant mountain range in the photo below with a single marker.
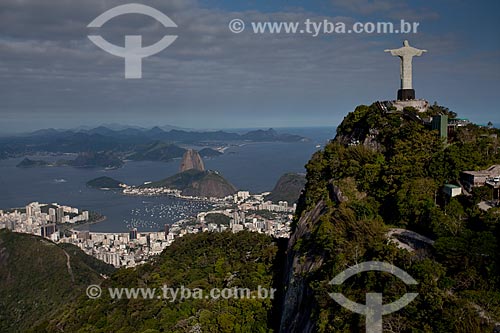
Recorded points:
(119, 127)
(131, 142)
(156, 151)
(106, 160)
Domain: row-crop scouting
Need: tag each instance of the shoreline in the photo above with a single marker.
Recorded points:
(88, 223)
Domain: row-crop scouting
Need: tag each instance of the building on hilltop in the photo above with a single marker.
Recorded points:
(440, 123)
(479, 178)
(458, 122)
(452, 190)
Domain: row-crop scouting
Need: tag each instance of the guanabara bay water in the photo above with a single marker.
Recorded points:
(254, 167)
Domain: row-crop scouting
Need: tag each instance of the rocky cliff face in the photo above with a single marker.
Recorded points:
(192, 160)
(210, 184)
(288, 188)
(298, 298)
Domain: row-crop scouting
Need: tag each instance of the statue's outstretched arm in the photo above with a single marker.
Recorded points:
(420, 52)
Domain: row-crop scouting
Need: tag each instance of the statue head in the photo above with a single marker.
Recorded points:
(405, 43)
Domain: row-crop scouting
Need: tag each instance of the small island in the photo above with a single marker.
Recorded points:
(29, 163)
(104, 183)
(209, 152)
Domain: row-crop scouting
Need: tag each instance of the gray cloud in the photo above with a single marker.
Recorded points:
(209, 77)
(387, 8)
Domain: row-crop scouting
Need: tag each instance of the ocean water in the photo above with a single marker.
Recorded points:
(254, 167)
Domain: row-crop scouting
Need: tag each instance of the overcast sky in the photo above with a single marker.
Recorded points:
(52, 75)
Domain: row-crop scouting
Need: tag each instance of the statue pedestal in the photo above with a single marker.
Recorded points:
(420, 104)
(406, 94)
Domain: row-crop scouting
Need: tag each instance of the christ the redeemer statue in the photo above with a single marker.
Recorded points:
(406, 54)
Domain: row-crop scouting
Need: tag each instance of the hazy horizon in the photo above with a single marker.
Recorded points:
(165, 127)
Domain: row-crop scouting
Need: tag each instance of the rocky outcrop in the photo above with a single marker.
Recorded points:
(192, 160)
(211, 184)
(336, 193)
(298, 298)
(197, 183)
(194, 180)
(288, 188)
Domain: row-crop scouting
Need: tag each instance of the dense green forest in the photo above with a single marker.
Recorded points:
(205, 261)
(38, 278)
(393, 177)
